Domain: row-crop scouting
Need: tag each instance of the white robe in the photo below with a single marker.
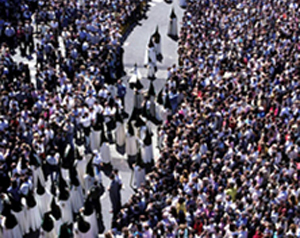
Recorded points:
(151, 71)
(158, 111)
(76, 195)
(10, 233)
(150, 54)
(157, 47)
(120, 134)
(33, 216)
(138, 99)
(147, 151)
(58, 224)
(131, 145)
(20, 216)
(105, 153)
(44, 202)
(88, 182)
(172, 28)
(139, 176)
(136, 75)
(93, 222)
(50, 234)
(66, 211)
(80, 168)
(95, 140)
(182, 3)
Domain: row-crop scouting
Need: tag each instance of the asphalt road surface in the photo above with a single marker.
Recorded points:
(135, 47)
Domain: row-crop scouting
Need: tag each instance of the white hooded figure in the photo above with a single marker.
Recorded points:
(150, 55)
(135, 76)
(56, 212)
(75, 191)
(120, 135)
(30, 206)
(131, 145)
(105, 150)
(81, 164)
(172, 28)
(48, 226)
(157, 44)
(43, 198)
(89, 214)
(147, 149)
(10, 227)
(139, 172)
(89, 176)
(64, 202)
(83, 229)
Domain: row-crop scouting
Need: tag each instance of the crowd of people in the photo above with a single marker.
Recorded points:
(229, 144)
(57, 123)
(230, 147)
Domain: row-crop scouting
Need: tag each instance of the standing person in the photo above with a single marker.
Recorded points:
(172, 28)
(28, 38)
(150, 56)
(147, 149)
(10, 33)
(48, 226)
(114, 195)
(157, 44)
(135, 76)
(10, 226)
(137, 101)
(131, 145)
(150, 60)
(139, 171)
(121, 91)
(120, 135)
(95, 192)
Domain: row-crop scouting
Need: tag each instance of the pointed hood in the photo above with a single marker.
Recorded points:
(167, 103)
(130, 128)
(83, 226)
(151, 91)
(156, 36)
(55, 209)
(73, 177)
(103, 137)
(173, 15)
(64, 231)
(139, 122)
(119, 117)
(89, 168)
(63, 189)
(138, 85)
(88, 207)
(160, 100)
(148, 139)
(48, 222)
(16, 206)
(10, 221)
(40, 190)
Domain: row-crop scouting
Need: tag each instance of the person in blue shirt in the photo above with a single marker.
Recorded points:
(121, 90)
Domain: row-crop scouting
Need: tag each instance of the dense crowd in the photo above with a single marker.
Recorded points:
(56, 124)
(230, 148)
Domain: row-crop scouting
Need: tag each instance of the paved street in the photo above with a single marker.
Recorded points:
(135, 47)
